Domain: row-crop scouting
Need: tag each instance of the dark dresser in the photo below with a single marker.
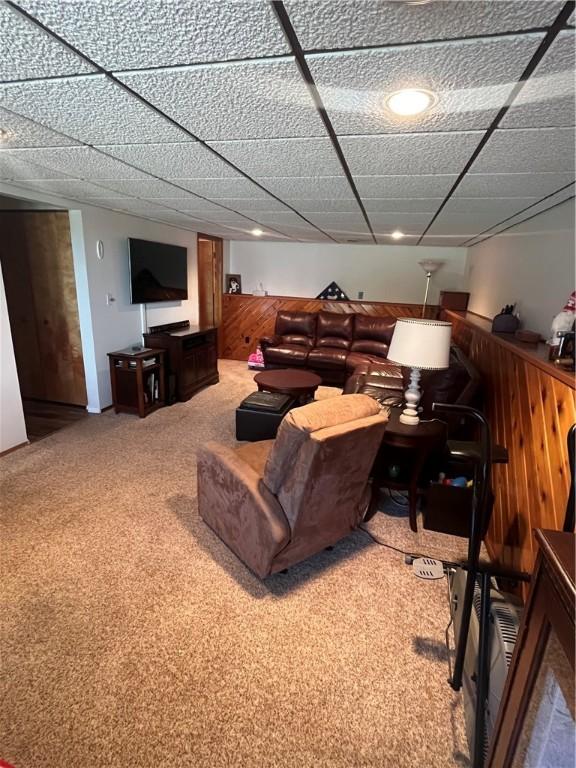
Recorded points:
(191, 357)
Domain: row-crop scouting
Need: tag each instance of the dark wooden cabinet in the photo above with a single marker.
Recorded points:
(457, 301)
(192, 357)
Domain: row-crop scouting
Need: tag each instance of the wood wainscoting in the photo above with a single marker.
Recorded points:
(245, 319)
(530, 405)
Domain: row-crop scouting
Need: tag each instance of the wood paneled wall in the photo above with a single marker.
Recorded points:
(245, 319)
(38, 269)
(530, 405)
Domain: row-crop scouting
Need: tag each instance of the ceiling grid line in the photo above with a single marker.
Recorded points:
(553, 31)
(302, 64)
(158, 111)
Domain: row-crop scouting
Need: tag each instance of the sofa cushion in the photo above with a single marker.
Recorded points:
(299, 423)
(373, 334)
(334, 329)
(287, 354)
(327, 358)
(297, 328)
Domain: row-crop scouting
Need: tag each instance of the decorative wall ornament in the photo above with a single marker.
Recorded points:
(333, 292)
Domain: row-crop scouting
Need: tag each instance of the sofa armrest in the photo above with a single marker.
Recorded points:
(236, 504)
(269, 341)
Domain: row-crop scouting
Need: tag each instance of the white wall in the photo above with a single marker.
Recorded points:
(118, 324)
(531, 265)
(108, 327)
(12, 426)
(383, 272)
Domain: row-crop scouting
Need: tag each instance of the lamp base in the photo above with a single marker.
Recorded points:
(412, 397)
(410, 417)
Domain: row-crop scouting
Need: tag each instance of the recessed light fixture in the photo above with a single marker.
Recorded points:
(4, 135)
(410, 101)
(257, 232)
(397, 235)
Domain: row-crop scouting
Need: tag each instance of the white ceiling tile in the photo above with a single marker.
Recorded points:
(385, 238)
(451, 242)
(145, 188)
(402, 205)
(278, 218)
(251, 204)
(499, 207)
(76, 188)
(282, 157)
(409, 223)
(172, 160)
(28, 51)
(136, 34)
(13, 168)
(434, 185)
(89, 108)
(242, 100)
(512, 184)
(25, 133)
(409, 154)
(324, 206)
(352, 23)
(81, 162)
(309, 188)
(349, 222)
(466, 224)
(471, 79)
(533, 211)
(547, 99)
(216, 188)
(227, 217)
(520, 151)
(189, 204)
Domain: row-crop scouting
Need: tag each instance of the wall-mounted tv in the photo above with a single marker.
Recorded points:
(158, 272)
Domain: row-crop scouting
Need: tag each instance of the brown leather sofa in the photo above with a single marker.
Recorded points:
(332, 344)
(277, 502)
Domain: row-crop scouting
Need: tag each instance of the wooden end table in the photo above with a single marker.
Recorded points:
(299, 384)
(137, 380)
(418, 442)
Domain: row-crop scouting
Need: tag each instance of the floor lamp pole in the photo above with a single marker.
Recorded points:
(428, 276)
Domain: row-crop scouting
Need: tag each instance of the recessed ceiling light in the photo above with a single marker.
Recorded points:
(4, 135)
(410, 101)
(397, 235)
(257, 232)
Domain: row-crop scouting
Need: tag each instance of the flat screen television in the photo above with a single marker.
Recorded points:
(158, 272)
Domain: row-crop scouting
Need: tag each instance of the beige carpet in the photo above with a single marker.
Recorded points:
(131, 637)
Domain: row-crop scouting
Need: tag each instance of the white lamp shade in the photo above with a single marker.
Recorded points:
(431, 265)
(421, 343)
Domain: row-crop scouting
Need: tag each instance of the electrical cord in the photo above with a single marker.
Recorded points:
(382, 543)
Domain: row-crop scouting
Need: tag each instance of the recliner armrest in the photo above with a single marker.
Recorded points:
(269, 341)
(236, 504)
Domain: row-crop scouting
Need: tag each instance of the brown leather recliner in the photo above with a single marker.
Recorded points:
(277, 502)
(332, 344)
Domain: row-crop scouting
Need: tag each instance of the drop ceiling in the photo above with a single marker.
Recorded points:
(226, 115)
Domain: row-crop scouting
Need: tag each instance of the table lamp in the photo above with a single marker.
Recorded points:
(419, 344)
(429, 266)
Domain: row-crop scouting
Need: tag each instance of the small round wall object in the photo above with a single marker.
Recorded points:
(99, 250)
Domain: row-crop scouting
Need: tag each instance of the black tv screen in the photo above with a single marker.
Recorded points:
(158, 272)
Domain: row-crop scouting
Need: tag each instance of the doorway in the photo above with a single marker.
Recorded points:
(38, 271)
(210, 268)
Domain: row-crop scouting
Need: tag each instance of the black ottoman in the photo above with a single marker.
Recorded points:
(259, 415)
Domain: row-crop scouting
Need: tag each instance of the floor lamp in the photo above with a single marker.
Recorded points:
(429, 266)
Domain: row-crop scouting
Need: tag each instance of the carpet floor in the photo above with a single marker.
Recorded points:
(131, 637)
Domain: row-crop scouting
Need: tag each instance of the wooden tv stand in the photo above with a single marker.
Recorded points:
(191, 357)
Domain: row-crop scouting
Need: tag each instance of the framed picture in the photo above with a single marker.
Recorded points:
(233, 284)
